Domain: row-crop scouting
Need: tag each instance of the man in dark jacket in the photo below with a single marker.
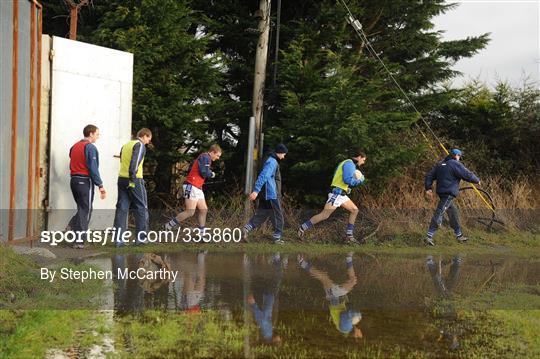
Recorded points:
(269, 182)
(448, 173)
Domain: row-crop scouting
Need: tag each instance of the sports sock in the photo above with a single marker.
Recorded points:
(306, 225)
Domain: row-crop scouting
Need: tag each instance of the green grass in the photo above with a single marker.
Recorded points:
(34, 314)
(29, 333)
(510, 330)
(161, 334)
(499, 323)
(520, 244)
(176, 334)
(502, 334)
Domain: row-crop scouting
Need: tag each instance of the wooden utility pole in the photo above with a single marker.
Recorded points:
(73, 16)
(260, 75)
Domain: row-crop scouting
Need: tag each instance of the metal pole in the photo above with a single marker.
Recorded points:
(30, 186)
(73, 22)
(262, 146)
(14, 90)
(38, 116)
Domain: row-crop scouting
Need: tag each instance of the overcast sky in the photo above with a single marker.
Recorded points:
(514, 48)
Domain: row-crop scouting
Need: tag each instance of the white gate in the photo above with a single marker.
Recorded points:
(90, 85)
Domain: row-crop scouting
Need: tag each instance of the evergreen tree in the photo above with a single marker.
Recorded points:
(175, 79)
(498, 129)
(194, 64)
(331, 94)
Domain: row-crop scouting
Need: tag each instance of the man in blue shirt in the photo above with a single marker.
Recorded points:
(269, 182)
(448, 173)
(267, 285)
(345, 318)
(199, 171)
(84, 171)
(345, 178)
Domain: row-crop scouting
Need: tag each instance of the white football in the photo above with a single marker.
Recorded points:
(358, 175)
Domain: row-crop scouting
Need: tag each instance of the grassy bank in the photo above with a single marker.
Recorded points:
(159, 334)
(525, 244)
(36, 315)
(511, 330)
(396, 217)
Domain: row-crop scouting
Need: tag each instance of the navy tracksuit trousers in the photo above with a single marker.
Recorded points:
(82, 189)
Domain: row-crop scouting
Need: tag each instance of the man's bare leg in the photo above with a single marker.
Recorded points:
(328, 209)
(353, 213)
(203, 210)
(191, 205)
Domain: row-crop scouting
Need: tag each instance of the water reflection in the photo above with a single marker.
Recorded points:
(128, 294)
(446, 286)
(344, 317)
(263, 289)
(188, 290)
(135, 295)
(445, 314)
(313, 303)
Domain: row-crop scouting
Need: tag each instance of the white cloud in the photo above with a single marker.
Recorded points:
(514, 49)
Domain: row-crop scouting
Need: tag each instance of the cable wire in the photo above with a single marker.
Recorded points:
(357, 26)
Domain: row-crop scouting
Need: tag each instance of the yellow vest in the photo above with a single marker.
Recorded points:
(125, 160)
(335, 312)
(337, 181)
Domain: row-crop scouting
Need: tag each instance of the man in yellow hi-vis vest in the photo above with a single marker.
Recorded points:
(131, 190)
(344, 178)
(345, 318)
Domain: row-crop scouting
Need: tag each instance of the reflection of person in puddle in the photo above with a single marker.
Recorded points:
(445, 289)
(132, 295)
(270, 287)
(152, 263)
(344, 318)
(189, 288)
(128, 294)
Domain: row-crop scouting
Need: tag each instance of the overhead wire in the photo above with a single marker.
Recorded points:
(357, 26)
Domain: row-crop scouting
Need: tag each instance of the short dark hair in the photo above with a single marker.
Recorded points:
(144, 132)
(358, 152)
(88, 130)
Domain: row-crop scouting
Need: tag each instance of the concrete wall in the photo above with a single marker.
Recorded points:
(90, 85)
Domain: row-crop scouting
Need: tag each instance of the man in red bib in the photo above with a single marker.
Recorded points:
(84, 169)
(198, 172)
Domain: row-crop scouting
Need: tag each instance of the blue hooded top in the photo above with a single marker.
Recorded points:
(448, 173)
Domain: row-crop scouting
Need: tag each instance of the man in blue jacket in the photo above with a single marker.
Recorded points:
(270, 205)
(266, 283)
(448, 173)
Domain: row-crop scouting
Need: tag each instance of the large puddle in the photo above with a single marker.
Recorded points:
(327, 305)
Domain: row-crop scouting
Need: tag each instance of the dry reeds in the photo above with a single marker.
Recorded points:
(401, 207)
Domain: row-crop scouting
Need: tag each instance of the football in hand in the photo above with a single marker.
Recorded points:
(358, 175)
